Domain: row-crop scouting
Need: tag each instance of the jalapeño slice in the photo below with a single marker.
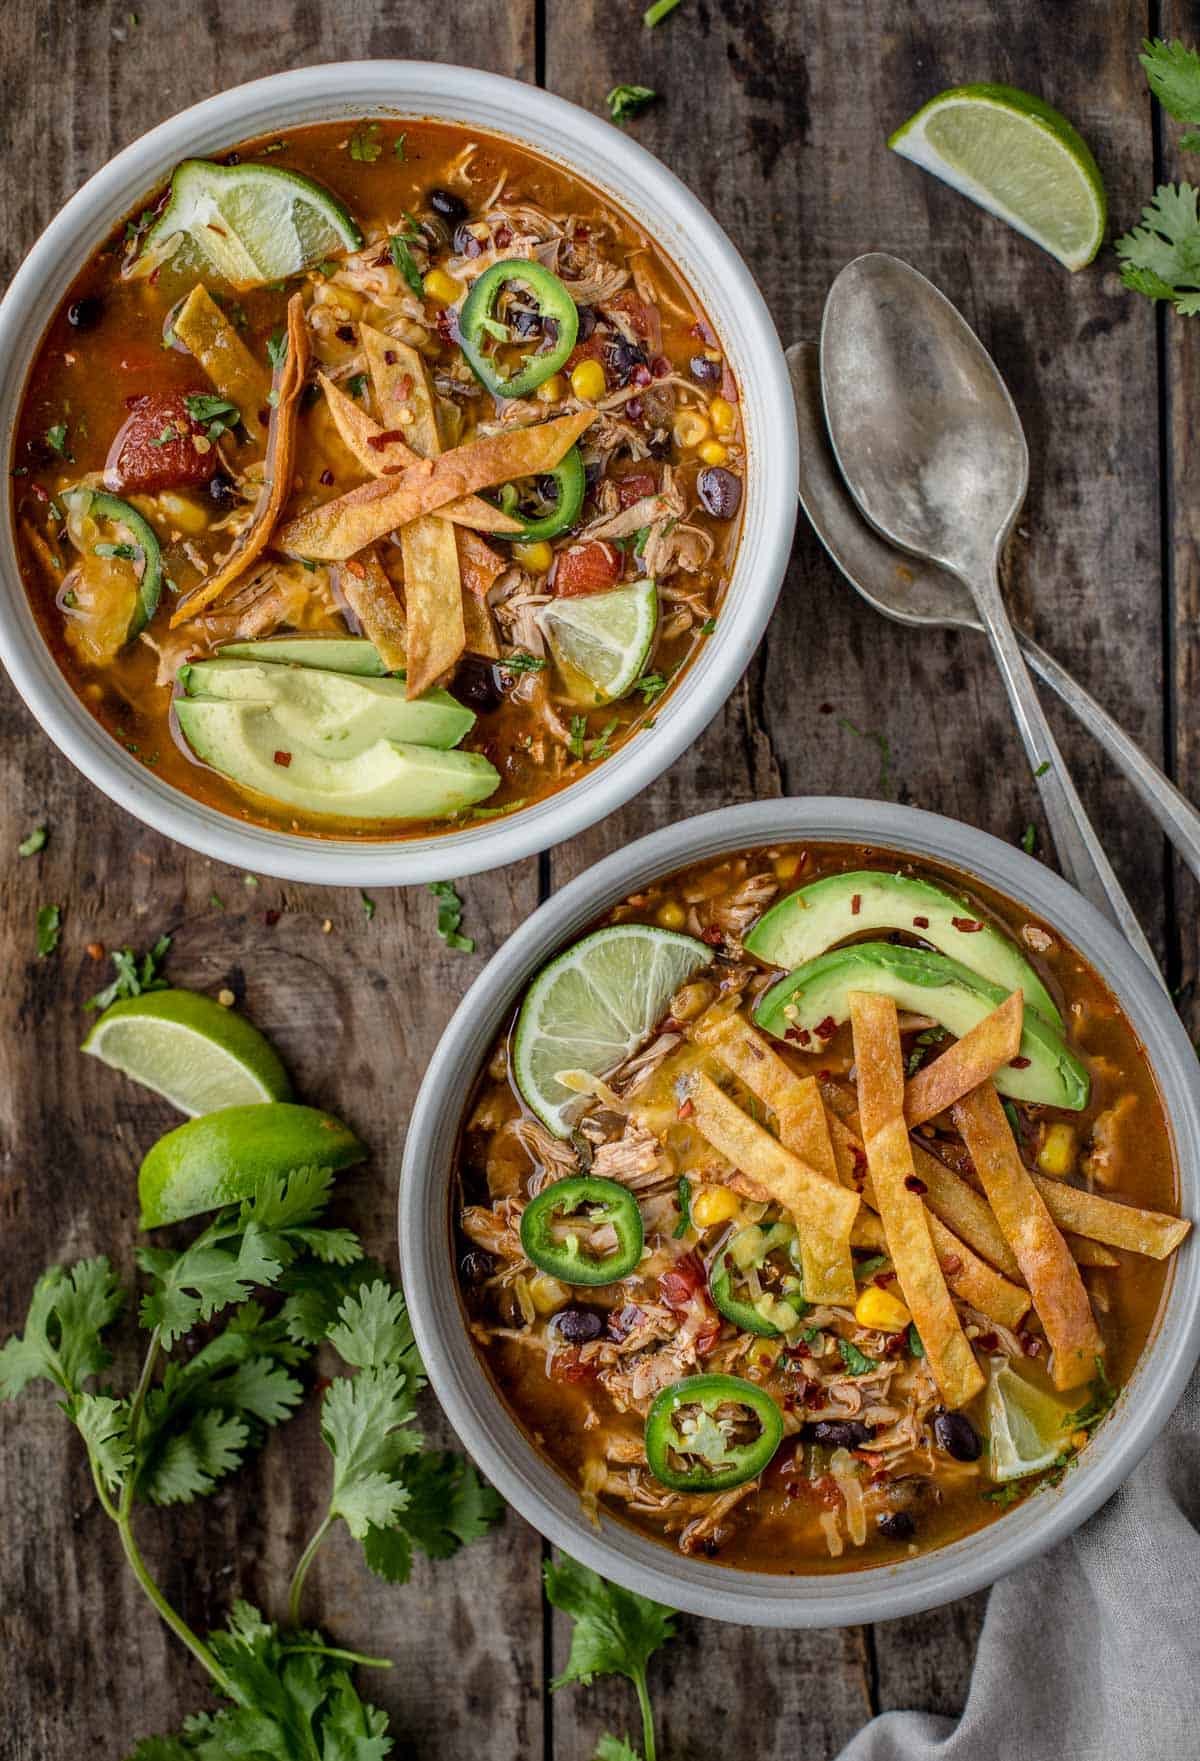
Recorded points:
(566, 485)
(130, 538)
(554, 1223)
(478, 325)
(755, 1280)
(709, 1433)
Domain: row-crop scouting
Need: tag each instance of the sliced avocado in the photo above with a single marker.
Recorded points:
(809, 921)
(334, 654)
(389, 780)
(334, 714)
(928, 984)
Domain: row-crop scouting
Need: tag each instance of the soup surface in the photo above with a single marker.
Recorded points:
(851, 1246)
(223, 443)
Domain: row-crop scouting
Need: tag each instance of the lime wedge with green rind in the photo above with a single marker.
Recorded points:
(1027, 1427)
(189, 1049)
(593, 1007)
(250, 223)
(1017, 157)
(601, 641)
(221, 1158)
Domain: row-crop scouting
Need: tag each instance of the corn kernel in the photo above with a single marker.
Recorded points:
(1057, 1154)
(182, 511)
(552, 390)
(722, 415)
(786, 867)
(713, 453)
(547, 1293)
(588, 381)
(443, 289)
(534, 557)
(713, 1204)
(671, 915)
(691, 427)
(880, 1310)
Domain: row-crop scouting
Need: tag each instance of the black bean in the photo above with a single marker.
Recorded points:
(913, 1492)
(222, 489)
(956, 1436)
(897, 1526)
(466, 244)
(85, 314)
(706, 371)
(577, 1326)
(449, 206)
(587, 323)
(475, 685)
(720, 491)
(623, 358)
(838, 1433)
(524, 321)
(476, 1267)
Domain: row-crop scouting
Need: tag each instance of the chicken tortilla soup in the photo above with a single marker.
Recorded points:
(376, 478)
(815, 1208)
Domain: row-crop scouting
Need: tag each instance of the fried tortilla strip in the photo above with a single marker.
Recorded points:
(277, 479)
(1110, 1221)
(437, 633)
(796, 1104)
(210, 339)
(969, 1277)
(1042, 1254)
(372, 599)
(986, 1048)
(340, 528)
(1089, 1253)
(479, 566)
(380, 456)
(822, 1208)
(880, 1067)
(964, 1211)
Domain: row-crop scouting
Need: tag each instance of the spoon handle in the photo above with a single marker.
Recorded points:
(1079, 850)
(1171, 808)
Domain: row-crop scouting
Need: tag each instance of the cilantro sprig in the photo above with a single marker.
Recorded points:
(616, 1632)
(1161, 257)
(449, 917)
(136, 973)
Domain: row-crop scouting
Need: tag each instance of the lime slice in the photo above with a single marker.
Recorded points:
(600, 641)
(190, 1049)
(251, 223)
(1027, 1428)
(220, 1159)
(591, 1008)
(1017, 158)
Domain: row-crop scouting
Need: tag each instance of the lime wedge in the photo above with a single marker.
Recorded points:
(220, 1159)
(600, 641)
(1027, 1428)
(591, 1008)
(250, 223)
(190, 1049)
(1017, 158)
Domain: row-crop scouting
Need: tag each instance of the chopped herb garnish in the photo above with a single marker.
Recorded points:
(129, 553)
(398, 146)
(368, 905)
(365, 145)
(34, 842)
(655, 14)
(915, 1347)
(1102, 1395)
(216, 901)
(857, 1362)
(219, 414)
(651, 686)
(1042, 768)
(932, 1036)
(277, 349)
(864, 1269)
(812, 1335)
(356, 384)
(602, 745)
(685, 1208)
(626, 101)
(1003, 1495)
(134, 975)
(250, 880)
(1014, 1122)
(328, 266)
(708, 627)
(577, 735)
(449, 917)
(1029, 839)
(56, 440)
(164, 439)
(49, 923)
(402, 257)
(523, 663)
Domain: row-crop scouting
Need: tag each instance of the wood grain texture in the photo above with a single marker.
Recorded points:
(774, 114)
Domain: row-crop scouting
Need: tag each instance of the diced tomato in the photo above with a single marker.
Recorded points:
(591, 350)
(587, 568)
(635, 486)
(642, 316)
(678, 1286)
(156, 448)
(569, 1366)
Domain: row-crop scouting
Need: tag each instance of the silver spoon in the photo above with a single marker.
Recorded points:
(919, 593)
(932, 450)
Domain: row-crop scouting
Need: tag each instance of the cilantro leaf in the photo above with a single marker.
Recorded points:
(577, 735)
(1161, 257)
(365, 145)
(103, 1423)
(449, 917)
(356, 384)
(857, 1362)
(655, 14)
(626, 101)
(135, 974)
(34, 842)
(56, 440)
(616, 1632)
(448, 1507)
(49, 925)
(611, 1748)
(364, 1421)
(402, 257)
(68, 1312)
(313, 1294)
(373, 1331)
(1102, 1396)
(1173, 74)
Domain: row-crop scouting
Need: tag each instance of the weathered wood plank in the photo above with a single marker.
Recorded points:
(355, 1010)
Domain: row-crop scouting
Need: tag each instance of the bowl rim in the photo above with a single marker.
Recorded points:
(643, 187)
(538, 1491)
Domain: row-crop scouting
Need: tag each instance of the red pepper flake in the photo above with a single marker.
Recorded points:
(968, 925)
(883, 1279)
(951, 1265)
(271, 918)
(855, 904)
(686, 1109)
(283, 758)
(799, 1036)
(827, 1028)
(920, 923)
(391, 357)
(345, 333)
(1019, 1063)
(814, 1395)
(896, 1345)
(988, 1342)
(327, 477)
(712, 936)
(914, 1184)
(381, 442)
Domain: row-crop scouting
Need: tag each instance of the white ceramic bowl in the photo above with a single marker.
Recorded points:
(611, 162)
(538, 1491)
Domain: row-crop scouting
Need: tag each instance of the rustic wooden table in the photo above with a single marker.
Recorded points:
(774, 111)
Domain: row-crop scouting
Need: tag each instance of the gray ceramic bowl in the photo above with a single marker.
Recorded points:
(493, 1437)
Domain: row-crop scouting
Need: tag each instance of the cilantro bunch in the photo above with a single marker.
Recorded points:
(198, 1409)
(1161, 257)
